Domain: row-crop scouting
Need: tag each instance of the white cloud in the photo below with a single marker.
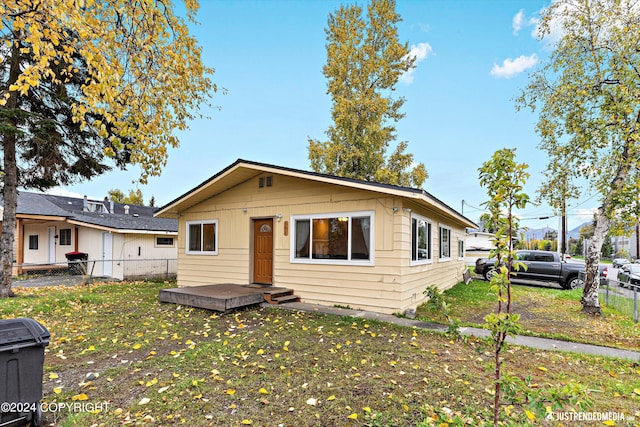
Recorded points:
(511, 67)
(517, 21)
(420, 53)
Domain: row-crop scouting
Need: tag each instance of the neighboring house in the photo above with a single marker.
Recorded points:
(121, 241)
(479, 243)
(333, 240)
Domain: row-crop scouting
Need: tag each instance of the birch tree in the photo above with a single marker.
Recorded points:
(587, 96)
(365, 60)
(86, 85)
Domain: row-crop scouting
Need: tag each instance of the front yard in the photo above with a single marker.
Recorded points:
(545, 312)
(141, 362)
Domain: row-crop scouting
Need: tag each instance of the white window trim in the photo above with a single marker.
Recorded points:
(430, 248)
(440, 257)
(464, 249)
(172, 245)
(310, 260)
(70, 237)
(217, 237)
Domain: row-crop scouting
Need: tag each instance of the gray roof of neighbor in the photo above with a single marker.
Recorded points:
(139, 217)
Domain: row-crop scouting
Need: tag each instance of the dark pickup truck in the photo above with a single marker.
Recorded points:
(540, 265)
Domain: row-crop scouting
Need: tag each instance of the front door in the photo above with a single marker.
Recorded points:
(52, 244)
(107, 254)
(263, 251)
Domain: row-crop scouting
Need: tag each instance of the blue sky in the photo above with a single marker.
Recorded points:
(473, 59)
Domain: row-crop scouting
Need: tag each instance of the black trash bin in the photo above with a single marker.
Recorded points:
(22, 343)
(77, 262)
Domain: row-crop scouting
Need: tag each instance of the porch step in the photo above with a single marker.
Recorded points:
(280, 296)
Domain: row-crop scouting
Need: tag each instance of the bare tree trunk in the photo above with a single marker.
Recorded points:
(10, 194)
(9, 181)
(590, 301)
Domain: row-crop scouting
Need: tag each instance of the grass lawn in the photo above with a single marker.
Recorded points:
(544, 312)
(161, 364)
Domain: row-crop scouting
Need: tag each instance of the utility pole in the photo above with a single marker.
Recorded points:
(638, 239)
(563, 217)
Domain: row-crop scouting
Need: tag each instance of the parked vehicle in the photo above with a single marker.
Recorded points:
(619, 262)
(629, 275)
(539, 265)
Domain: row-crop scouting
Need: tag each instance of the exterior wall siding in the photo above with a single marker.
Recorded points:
(391, 285)
(132, 254)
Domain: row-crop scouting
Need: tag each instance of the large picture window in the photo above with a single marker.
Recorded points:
(445, 242)
(420, 240)
(333, 238)
(202, 237)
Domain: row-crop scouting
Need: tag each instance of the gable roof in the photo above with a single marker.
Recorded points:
(140, 219)
(244, 170)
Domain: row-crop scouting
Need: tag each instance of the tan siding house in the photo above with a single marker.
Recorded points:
(330, 239)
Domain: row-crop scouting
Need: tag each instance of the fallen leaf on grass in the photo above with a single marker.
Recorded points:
(353, 416)
(144, 401)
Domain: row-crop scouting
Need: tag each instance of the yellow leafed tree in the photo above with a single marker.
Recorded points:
(87, 84)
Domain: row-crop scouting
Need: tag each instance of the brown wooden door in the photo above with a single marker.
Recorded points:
(263, 251)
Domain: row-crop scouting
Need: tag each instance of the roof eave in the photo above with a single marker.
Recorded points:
(173, 208)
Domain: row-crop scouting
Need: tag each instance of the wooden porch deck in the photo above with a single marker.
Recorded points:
(225, 297)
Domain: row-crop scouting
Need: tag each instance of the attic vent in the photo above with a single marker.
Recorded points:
(265, 181)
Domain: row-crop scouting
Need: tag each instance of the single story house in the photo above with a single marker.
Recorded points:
(333, 240)
(479, 243)
(120, 241)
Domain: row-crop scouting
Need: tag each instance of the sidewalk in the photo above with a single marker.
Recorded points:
(533, 342)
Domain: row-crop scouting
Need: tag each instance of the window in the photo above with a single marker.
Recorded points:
(543, 257)
(65, 237)
(344, 238)
(33, 242)
(420, 240)
(96, 207)
(202, 237)
(164, 241)
(445, 243)
(460, 249)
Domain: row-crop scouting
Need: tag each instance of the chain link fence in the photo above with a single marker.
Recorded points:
(121, 269)
(624, 299)
(620, 295)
